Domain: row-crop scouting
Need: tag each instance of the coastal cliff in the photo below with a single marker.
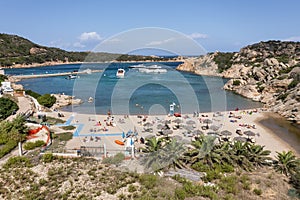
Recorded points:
(268, 72)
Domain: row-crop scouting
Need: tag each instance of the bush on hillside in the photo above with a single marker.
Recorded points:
(47, 100)
(7, 107)
(32, 93)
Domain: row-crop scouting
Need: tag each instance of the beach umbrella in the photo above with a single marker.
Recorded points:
(178, 137)
(212, 133)
(160, 126)
(239, 138)
(185, 141)
(167, 122)
(214, 127)
(188, 128)
(167, 132)
(226, 133)
(190, 122)
(197, 132)
(148, 124)
(177, 121)
(249, 133)
(207, 121)
(149, 136)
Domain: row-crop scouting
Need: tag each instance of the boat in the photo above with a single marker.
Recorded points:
(71, 76)
(120, 73)
(152, 69)
(137, 66)
(119, 142)
(91, 99)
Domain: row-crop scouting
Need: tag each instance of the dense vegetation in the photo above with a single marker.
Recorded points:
(2, 78)
(18, 50)
(11, 132)
(223, 60)
(46, 100)
(7, 107)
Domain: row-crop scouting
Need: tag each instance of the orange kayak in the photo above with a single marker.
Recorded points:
(119, 142)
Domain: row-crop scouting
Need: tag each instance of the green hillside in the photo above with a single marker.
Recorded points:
(17, 50)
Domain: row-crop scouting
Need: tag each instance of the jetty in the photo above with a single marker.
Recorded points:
(28, 76)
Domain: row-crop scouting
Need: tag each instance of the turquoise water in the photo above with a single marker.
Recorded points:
(137, 92)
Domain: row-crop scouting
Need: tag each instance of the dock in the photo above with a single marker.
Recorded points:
(55, 74)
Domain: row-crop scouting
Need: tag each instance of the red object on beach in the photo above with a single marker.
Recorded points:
(119, 142)
(177, 114)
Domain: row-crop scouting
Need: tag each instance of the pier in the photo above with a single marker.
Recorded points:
(55, 74)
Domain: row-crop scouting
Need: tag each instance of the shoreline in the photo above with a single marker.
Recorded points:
(34, 65)
(264, 136)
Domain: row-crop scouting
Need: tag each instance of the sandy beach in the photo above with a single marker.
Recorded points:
(95, 130)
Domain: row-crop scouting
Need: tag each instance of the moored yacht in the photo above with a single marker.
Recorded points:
(120, 73)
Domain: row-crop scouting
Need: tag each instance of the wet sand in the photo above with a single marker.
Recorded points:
(285, 130)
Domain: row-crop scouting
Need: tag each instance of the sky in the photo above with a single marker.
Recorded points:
(215, 25)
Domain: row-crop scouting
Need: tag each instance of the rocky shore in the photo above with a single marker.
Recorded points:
(268, 72)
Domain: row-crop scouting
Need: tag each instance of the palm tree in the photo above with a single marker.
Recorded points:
(239, 155)
(152, 144)
(287, 163)
(172, 154)
(203, 150)
(257, 155)
(163, 157)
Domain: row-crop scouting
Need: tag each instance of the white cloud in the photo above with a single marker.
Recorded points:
(155, 43)
(79, 45)
(198, 36)
(293, 38)
(89, 36)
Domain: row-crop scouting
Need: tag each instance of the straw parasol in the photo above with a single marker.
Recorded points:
(214, 127)
(207, 121)
(226, 133)
(167, 132)
(249, 133)
(177, 121)
(239, 138)
(190, 122)
(198, 132)
(148, 124)
(160, 126)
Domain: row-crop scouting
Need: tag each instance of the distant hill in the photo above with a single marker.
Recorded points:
(268, 72)
(18, 50)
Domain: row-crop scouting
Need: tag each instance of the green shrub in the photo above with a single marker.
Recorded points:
(2, 78)
(115, 160)
(229, 184)
(223, 60)
(48, 157)
(200, 167)
(180, 194)
(257, 191)
(282, 96)
(7, 107)
(132, 188)
(32, 93)
(46, 100)
(17, 162)
(8, 147)
(293, 84)
(236, 82)
(149, 181)
(33, 145)
(68, 128)
(63, 136)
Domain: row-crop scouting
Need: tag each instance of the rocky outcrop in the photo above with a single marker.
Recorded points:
(268, 72)
(63, 100)
(203, 65)
(36, 50)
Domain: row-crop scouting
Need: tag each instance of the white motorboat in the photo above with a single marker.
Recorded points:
(120, 73)
(153, 69)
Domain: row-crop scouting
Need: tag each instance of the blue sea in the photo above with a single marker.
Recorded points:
(137, 92)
